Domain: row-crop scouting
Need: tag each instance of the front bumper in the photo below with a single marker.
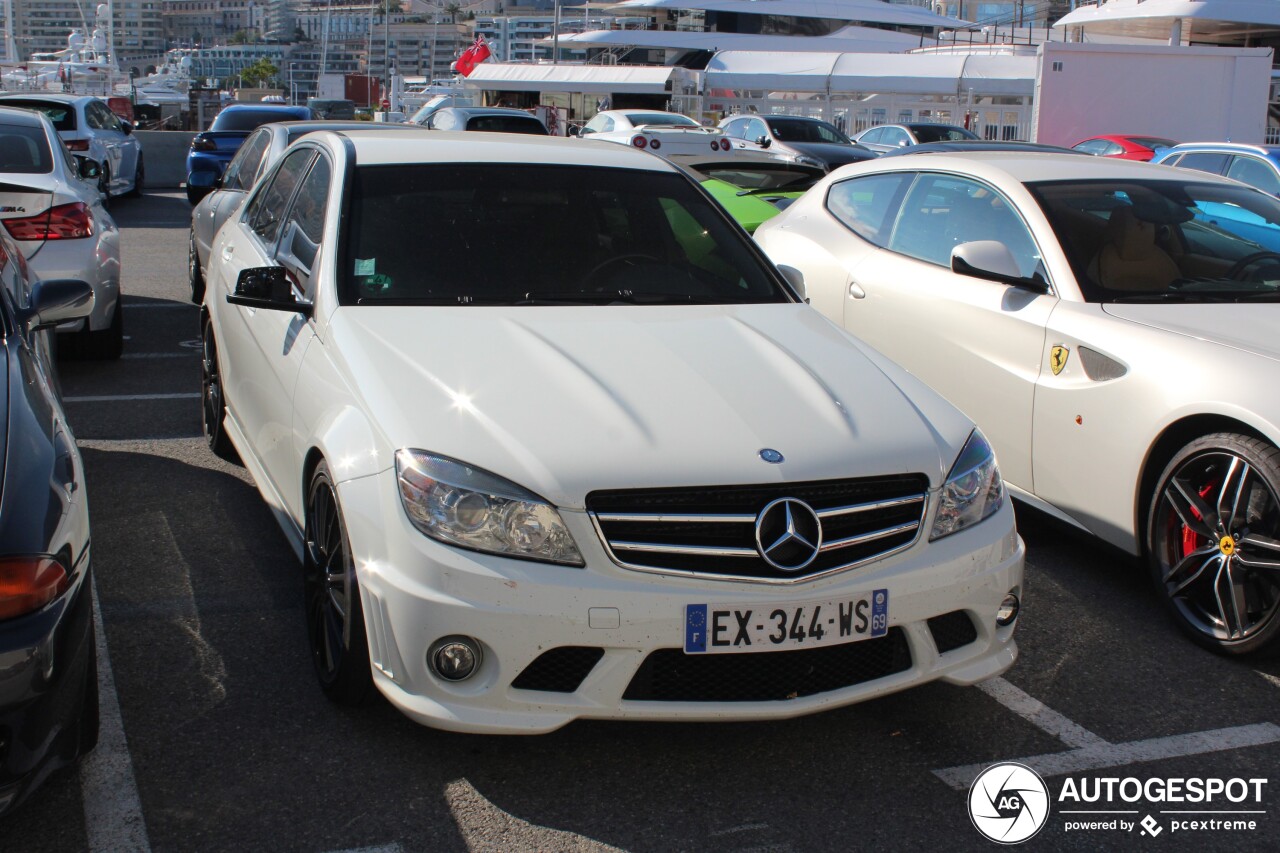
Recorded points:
(415, 591)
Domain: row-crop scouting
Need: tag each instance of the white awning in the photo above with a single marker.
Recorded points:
(846, 40)
(901, 74)
(1207, 19)
(591, 79)
(865, 11)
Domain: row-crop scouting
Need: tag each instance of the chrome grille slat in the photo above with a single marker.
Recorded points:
(711, 531)
(700, 550)
(869, 537)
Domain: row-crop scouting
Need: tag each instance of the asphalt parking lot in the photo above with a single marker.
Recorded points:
(216, 737)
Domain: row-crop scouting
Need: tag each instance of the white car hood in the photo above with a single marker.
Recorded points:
(1249, 327)
(566, 400)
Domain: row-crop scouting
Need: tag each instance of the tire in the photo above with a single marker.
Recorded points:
(194, 195)
(213, 404)
(194, 276)
(105, 344)
(1211, 534)
(335, 618)
(139, 177)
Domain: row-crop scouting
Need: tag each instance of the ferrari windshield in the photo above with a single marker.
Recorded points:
(523, 234)
(1166, 240)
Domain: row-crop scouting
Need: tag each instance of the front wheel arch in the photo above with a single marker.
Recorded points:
(1176, 436)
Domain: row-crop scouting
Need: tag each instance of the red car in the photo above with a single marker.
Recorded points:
(1124, 146)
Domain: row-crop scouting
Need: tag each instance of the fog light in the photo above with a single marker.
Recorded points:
(454, 658)
(1008, 610)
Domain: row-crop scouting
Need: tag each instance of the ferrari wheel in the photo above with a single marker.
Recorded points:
(1213, 539)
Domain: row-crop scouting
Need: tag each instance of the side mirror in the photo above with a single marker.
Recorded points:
(268, 288)
(992, 260)
(903, 143)
(764, 141)
(57, 301)
(126, 127)
(574, 130)
(795, 278)
(88, 169)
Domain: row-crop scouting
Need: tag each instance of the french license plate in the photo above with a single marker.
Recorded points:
(728, 628)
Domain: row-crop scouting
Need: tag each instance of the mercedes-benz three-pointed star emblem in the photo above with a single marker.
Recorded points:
(788, 534)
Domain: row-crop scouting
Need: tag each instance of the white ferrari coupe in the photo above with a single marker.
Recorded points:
(1106, 324)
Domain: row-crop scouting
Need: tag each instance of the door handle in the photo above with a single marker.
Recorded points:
(855, 290)
(227, 252)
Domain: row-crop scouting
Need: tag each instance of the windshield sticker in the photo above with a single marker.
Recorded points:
(366, 266)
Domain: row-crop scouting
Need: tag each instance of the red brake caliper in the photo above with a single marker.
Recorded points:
(1191, 539)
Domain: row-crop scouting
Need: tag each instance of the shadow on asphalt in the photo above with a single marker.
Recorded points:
(166, 208)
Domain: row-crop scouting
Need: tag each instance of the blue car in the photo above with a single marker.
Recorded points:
(213, 149)
(1255, 165)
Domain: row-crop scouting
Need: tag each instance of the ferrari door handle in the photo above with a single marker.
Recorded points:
(227, 252)
(855, 290)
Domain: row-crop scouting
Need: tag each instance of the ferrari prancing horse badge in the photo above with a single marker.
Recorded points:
(1058, 359)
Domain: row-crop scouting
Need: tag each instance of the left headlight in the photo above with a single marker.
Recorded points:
(465, 506)
(973, 489)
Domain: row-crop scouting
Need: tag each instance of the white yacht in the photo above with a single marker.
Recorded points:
(689, 32)
(84, 66)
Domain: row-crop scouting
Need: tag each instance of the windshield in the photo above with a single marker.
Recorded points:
(940, 133)
(800, 130)
(638, 119)
(24, 150)
(1166, 240)
(63, 116)
(252, 119)
(518, 234)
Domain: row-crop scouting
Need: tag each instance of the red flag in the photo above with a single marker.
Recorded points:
(473, 56)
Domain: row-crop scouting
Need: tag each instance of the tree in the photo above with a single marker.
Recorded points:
(258, 73)
(239, 37)
(452, 11)
(389, 7)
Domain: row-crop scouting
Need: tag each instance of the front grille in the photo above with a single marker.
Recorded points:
(711, 531)
(952, 630)
(669, 675)
(559, 670)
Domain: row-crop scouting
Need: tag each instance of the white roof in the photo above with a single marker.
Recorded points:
(384, 147)
(850, 39)
(904, 74)
(1153, 18)
(594, 79)
(867, 11)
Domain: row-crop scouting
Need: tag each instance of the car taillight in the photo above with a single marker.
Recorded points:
(29, 583)
(201, 143)
(64, 222)
(715, 145)
(655, 144)
(639, 142)
(724, 145)
(77, 145)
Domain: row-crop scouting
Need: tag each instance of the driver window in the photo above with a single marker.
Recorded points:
(1255, 173)
(268, 205)
(942, 212)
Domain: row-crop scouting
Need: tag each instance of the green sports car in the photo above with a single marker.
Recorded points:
(752, 190)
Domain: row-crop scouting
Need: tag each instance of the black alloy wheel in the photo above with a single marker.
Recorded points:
(335, 619)
(212, 403)
(1213, 539)
(194, 275)
(139, 177)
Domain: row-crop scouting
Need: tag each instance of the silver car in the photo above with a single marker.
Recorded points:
(262, 148)
(89, 128)
(51, 207)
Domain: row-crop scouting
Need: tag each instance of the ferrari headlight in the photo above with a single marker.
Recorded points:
(460, 505)
(973, 489)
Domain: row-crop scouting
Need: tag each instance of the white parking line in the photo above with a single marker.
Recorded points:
(1269, 677)
(1034, 711)
(1090, 751)
(113, 398)
(112, 811)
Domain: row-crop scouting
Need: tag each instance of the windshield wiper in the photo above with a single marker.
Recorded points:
(617, 297)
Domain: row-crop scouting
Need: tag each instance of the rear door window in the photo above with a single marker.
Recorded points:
(1255, 173)
(867, 206)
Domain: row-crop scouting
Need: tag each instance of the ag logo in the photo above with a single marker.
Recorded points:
(1058, 358)
(1009, 803)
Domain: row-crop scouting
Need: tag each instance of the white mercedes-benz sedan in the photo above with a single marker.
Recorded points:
(553, 440)
(1111, 326)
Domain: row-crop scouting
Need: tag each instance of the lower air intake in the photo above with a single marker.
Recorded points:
(559, 670)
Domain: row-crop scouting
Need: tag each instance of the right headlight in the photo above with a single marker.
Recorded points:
(465, 506)
(973, 489)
